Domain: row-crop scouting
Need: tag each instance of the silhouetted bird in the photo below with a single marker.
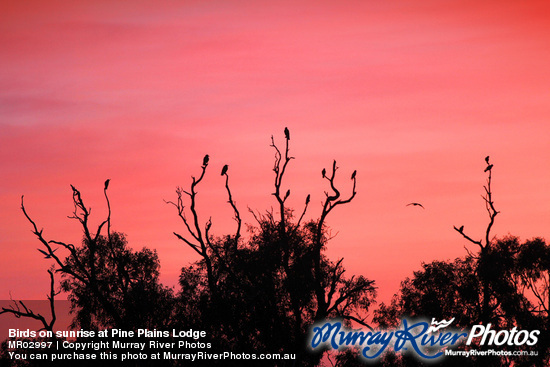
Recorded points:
(416, 204)
(308, 198)
(488, 168)
(353, 174)
(324, 172)
(487, 159)
(287, 194)
(287, 133)
(205, 160)
(461, 229)
(107, 183)
(224, 169)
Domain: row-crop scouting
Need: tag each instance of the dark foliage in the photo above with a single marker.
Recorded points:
(258, 294)
(263, 292)
(505, 283)
(518, 283)
(126, 291)
(266, 292)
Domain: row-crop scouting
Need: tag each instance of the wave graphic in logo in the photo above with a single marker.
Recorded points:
(439, 325)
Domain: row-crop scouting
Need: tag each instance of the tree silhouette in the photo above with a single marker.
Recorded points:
(126, 279)
(108, 284)
(504, 283)
(19, 308)
(258, 292)
(518, 284)
(264, 291)
(261, 291)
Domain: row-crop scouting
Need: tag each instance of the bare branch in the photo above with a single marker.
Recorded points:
(38, 234)
(461, 231)
(78, 267)
(334, 200)
(279, 174)
(331, 201)
(304, 212)
(357, 320)
(108, 220)
(237, 216)
(490, 206)
(84, 214)
(181, 211)
(192, 245)
(51, 298)
(19, 309)
(194, 229)
(254, 215)
(469, 252)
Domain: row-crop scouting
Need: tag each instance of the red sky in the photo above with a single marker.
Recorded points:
(411, 94)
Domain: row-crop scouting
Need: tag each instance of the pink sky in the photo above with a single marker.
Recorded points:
(412, 95)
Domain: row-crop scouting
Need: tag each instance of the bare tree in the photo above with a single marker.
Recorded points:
(83, 270)
(103, 277)
(491, 211)
(273, 284)
(485, 247)
(197, 239)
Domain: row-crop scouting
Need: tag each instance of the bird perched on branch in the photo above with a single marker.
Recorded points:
(205, 160)
(353, 174)
(416, 204)
(224, 169)
(488, 168)
(324, 172)
(287, 194)
(461, 229)
(287, 133)
(308, 198)
(107, 183)
(487, 159)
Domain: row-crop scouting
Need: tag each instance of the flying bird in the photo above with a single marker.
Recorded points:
(324, 172)
(487, 159)
(416, 204)
(308, 198)
(107, 183)
(287, 133)
(205, 160)
(353, 174)
(224, 169)
(488, 168)
(287, 194)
